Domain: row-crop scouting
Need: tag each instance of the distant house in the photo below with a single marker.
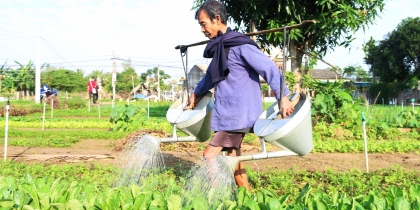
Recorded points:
(325, 74)
(194, 76)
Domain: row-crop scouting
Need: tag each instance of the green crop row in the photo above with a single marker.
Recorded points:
(52, 141)
(339, 131)
(48, 119)
(59, 124)
(166, 193)
(374, 146)
(352, 183)
(79, 134)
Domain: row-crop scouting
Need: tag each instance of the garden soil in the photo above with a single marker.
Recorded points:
(182, 156)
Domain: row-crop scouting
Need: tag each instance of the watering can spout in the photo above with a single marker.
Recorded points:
(234, 160)
(151, 142)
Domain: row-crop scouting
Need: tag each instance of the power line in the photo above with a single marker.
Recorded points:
(52, 49)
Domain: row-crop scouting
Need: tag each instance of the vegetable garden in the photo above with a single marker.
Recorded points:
(91, 185)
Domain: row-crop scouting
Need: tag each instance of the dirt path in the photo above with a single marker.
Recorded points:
(103, 152)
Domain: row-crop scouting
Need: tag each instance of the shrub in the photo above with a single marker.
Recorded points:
(74, 104)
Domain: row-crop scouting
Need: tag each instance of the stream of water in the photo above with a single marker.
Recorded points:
(140, 159)
(212, 178)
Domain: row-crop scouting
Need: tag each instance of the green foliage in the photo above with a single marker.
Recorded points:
(329, 99)
(75, 104)
(320, 190)
(51, 141)
(124, 117)
(126, 78)
(388, 91)
(264, 89)
(150, 78)
(291, 79)
(64, 80)
(25, 77)
(400, 49)
(56, 123)
(336, 21)
(76, 133)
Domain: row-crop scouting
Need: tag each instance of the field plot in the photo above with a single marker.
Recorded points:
(79, 152)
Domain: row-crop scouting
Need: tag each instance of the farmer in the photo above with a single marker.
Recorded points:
(91, 88)
(234, 74)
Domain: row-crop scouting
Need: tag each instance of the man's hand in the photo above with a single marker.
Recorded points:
(192, 103)
(287, 107)
(194, 100)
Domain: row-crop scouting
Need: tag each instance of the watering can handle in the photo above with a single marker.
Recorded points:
(294, 100)
(196, 100)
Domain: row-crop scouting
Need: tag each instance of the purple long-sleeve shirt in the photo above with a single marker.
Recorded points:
(238, 101)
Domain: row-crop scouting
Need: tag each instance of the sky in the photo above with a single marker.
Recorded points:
(86, 34)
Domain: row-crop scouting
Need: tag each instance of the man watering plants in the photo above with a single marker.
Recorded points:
(234, 74)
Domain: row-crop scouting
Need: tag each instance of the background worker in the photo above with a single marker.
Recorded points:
(91, 88)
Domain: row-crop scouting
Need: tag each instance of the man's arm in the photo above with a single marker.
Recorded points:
(271, 74)
(202, 88)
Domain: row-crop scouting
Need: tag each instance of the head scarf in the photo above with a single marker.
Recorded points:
(216, 49)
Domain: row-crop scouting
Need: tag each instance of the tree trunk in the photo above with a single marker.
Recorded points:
(296, 56)
(400, 96)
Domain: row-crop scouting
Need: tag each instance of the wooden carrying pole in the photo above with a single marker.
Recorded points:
(304, 23)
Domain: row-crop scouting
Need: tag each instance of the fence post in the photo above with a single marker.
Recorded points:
(6, 130)
(365, 141)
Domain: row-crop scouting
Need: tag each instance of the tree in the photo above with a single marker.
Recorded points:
(96, 73)
(125, 79)
(362, 75)
(24, 77)
(355, 73)
(336, 22)
(348, 72)
(396, 58)
(63, 80)
(152, 75)
(2, 75)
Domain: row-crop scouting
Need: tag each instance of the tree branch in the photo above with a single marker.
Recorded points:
(309, 54)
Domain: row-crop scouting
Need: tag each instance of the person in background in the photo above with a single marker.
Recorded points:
(234, 74)
(96, 92)
(91, 87)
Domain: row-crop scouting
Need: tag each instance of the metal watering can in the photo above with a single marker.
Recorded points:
(195, 123)
(293, 134)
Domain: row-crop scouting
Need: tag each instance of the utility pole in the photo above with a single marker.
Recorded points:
(158, 72)
(114, 80)
(37, 71)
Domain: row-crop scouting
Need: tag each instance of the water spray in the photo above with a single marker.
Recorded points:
(141, 158)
